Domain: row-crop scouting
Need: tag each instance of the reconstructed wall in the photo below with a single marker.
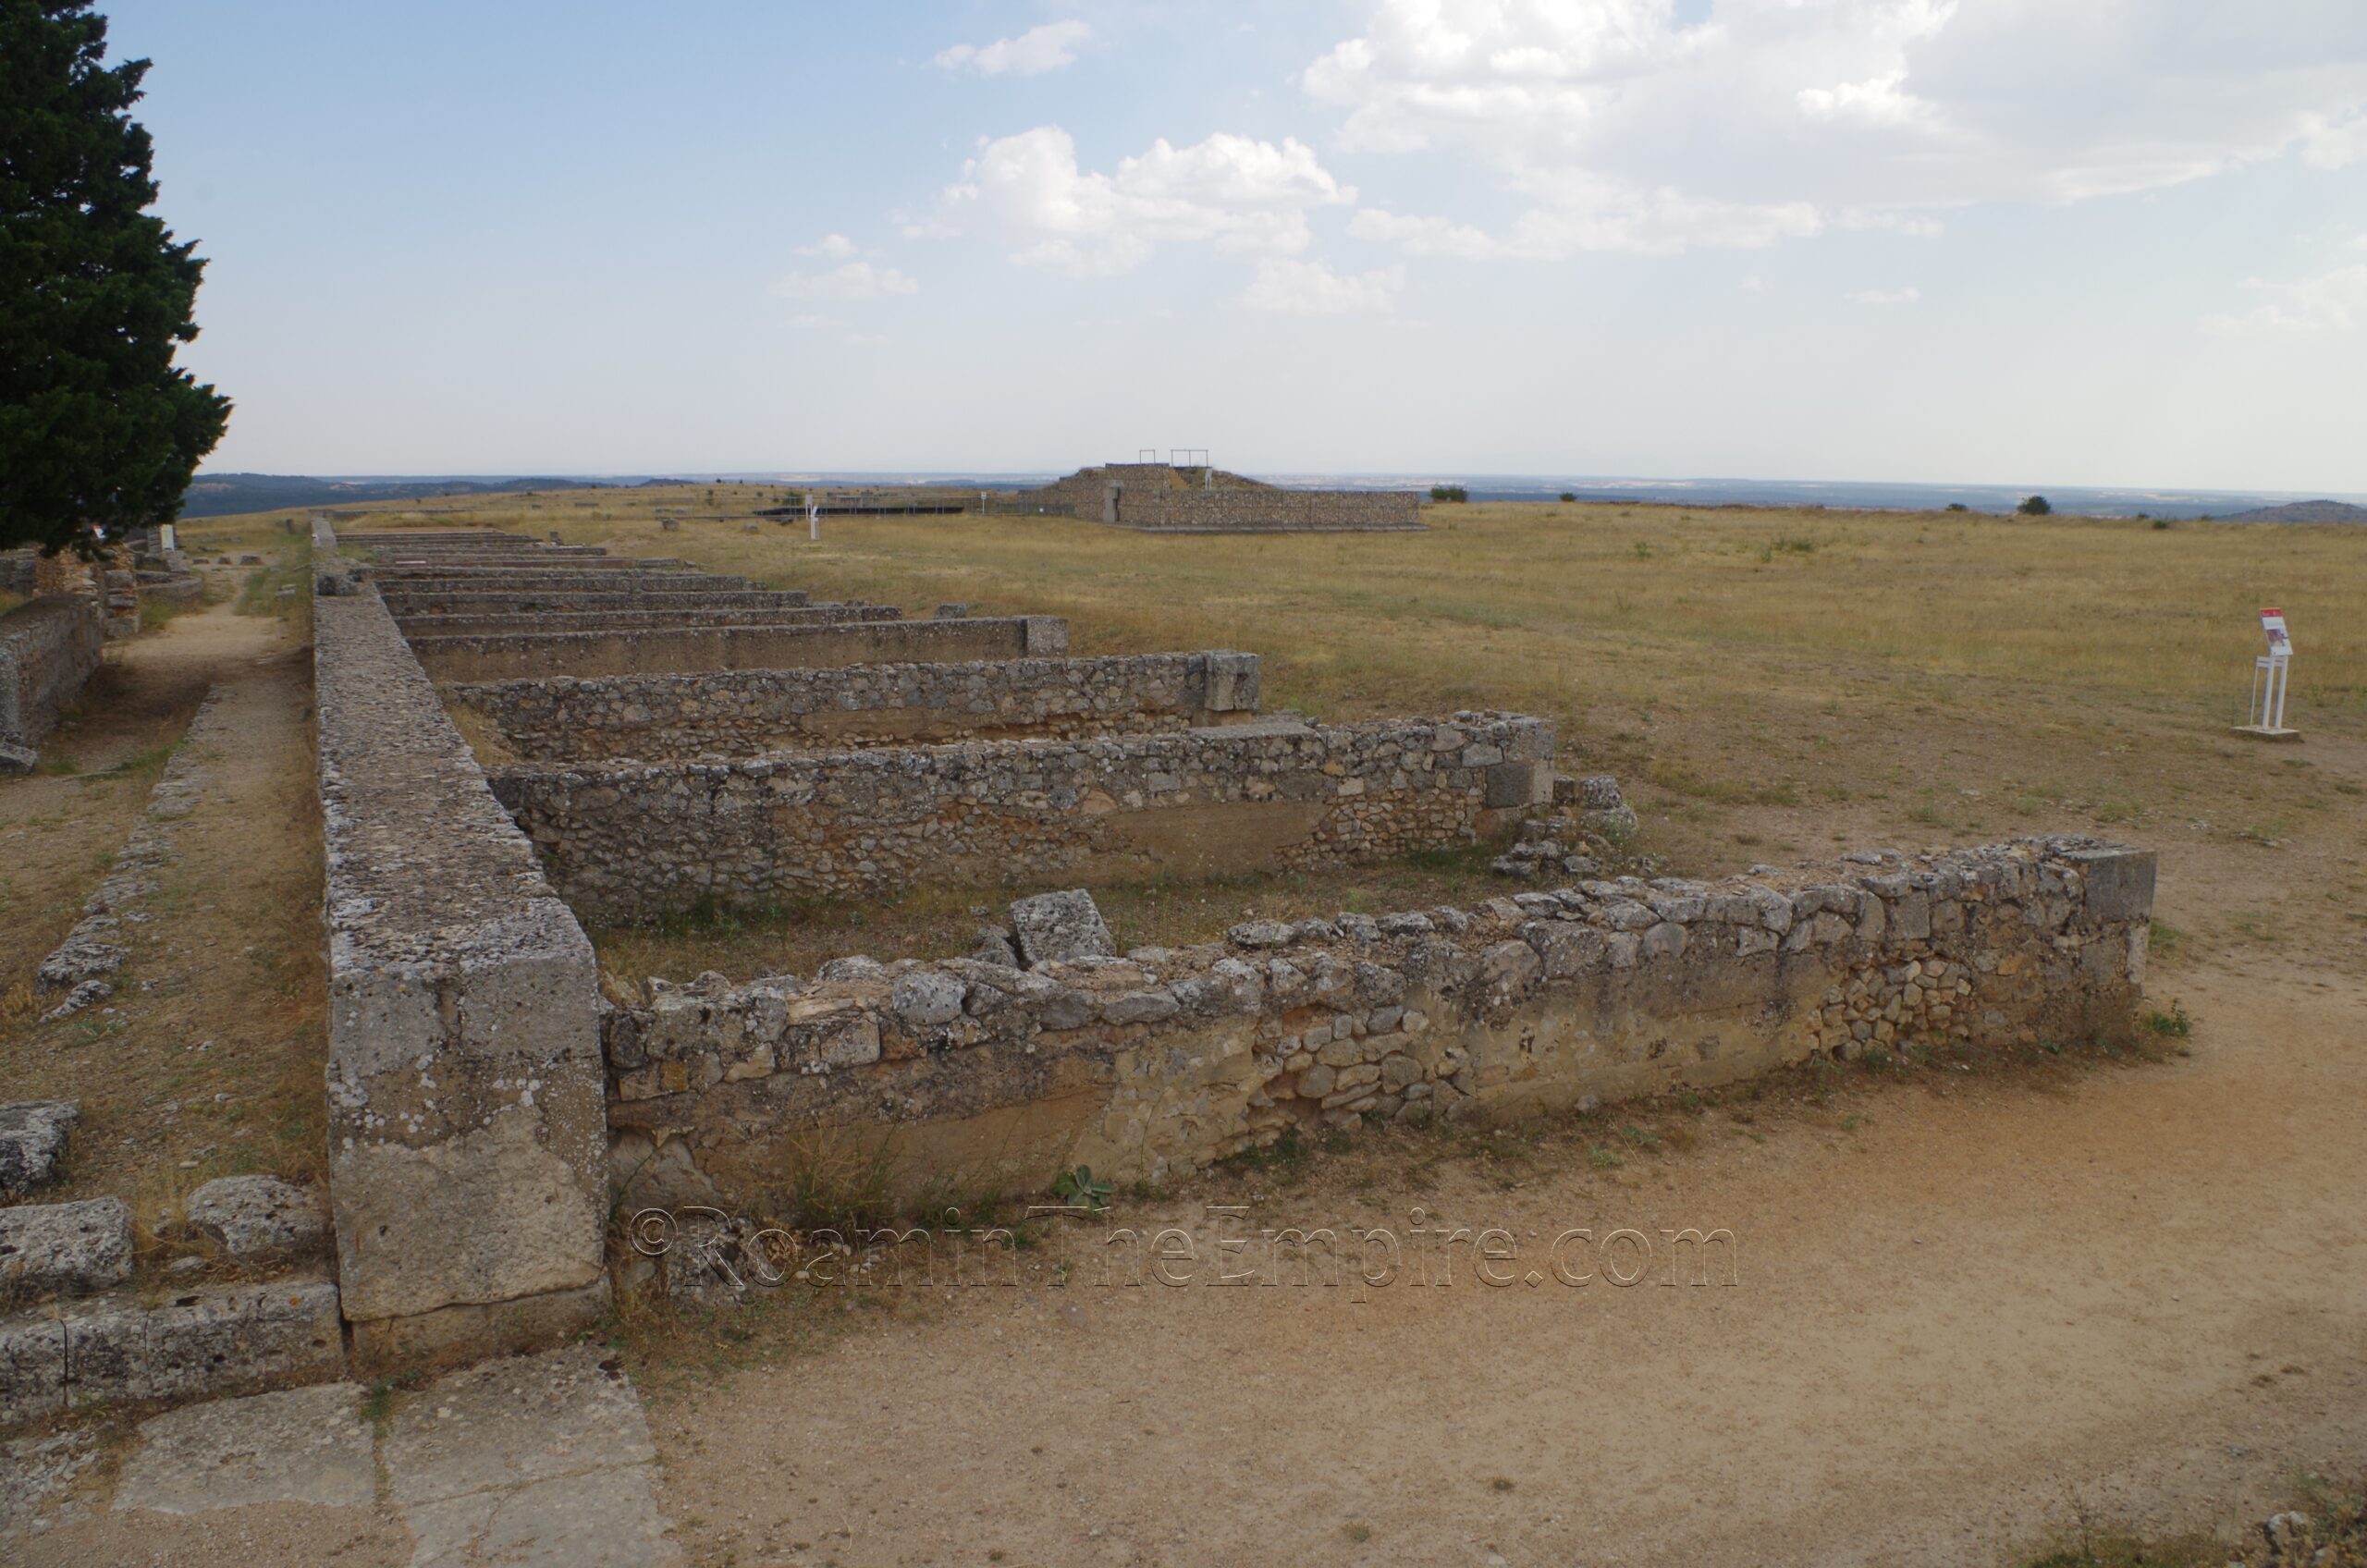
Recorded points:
(679, 651)
(1169, 1058)
(49, 648)
(466, 1128)
(640, 620)
(1286, 510)
(630, 841)
(404, 601)
(666, 718)
(503, 579)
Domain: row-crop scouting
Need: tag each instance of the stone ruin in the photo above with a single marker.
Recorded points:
(642, 738)
(646, 739)
(1165, 498)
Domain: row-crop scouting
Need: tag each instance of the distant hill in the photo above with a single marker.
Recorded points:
(2302, 511)
(220, 495)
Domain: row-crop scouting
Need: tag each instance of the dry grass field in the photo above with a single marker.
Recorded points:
(1768, 685)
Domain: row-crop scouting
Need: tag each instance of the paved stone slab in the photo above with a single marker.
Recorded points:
(33, 1470)
(598, 1519)
(66, 1247)
(256, 1216)
(536, 1459)
(32, 1140)
(299, 1445)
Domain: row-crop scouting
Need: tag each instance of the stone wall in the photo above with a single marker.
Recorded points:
(632, 842)
(49, 648)
(679, 651)
(639, 621)
(971, 1071)
(664, 718)
(405, 601)
(466, 1126)
(1278, 510)
(506, 580)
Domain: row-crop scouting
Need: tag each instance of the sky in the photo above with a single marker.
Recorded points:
(2067, 241)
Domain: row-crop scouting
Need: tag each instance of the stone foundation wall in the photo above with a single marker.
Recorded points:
(630, 841)
(514, 655)
(49, 648)
(404, 602)
(506, 580)
(1274, 508)
(466, 1125)
(667, 718)
(971, 1072)
(640, 620)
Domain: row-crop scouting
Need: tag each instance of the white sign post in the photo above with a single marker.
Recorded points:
(812, 519)
(2264, 717)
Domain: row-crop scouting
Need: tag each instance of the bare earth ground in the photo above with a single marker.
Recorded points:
(206, 1060)
(1970, 1305)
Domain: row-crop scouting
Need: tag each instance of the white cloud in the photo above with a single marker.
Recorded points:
(837, 247)
(1243, 196)
(1291, 286)
(2331, 302)
(854, 281)
(1032, 52)
(1878, 297)
(2328, 142)
(1621, 129)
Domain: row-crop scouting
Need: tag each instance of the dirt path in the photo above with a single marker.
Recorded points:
(207, 1059)
(1959, 1319)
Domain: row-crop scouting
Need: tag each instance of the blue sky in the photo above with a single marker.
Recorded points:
(2067, 241)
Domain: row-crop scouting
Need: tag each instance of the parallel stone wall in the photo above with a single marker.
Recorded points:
(502, 623)
(466, 1126)
(632, 842)
(501, 579)
(680, 651)
(1270, 509)
(666, 718)
(49, 649)
(405, 602)
(1166, 1060)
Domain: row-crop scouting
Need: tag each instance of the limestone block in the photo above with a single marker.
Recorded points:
(66, 1247)
(2119, 882)
(32, 1140)
(1058, 927)
(257, 1215)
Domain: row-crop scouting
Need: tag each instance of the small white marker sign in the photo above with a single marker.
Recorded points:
(2280, 644)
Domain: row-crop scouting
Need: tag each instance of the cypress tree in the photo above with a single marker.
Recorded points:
(96, 425)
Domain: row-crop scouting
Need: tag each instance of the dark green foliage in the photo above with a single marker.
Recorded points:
(2034, 506)
(96, 425)
(1449, 493)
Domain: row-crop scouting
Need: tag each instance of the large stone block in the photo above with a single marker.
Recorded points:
(32, 1140)
(1056, 927)
(65, 1248)
(2119, 881)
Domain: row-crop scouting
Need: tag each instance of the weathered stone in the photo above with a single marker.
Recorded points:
(297, 1445)
(924, 998)
(256, 1216)
(68, 1248)
(32, 1140)
(1055, 927)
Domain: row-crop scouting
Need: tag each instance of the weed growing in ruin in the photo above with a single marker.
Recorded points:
(2176, 1024)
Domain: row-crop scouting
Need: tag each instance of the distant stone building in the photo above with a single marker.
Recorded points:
(1169, 498)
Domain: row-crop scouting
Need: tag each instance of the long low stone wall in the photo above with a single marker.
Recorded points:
(680, 650)
(405, 602)
(49, 649)
(632, 842)
(1285, 510)
(640, 620)
(457, 581)
(669, 717)
(466, 1126)
(971, 1072)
